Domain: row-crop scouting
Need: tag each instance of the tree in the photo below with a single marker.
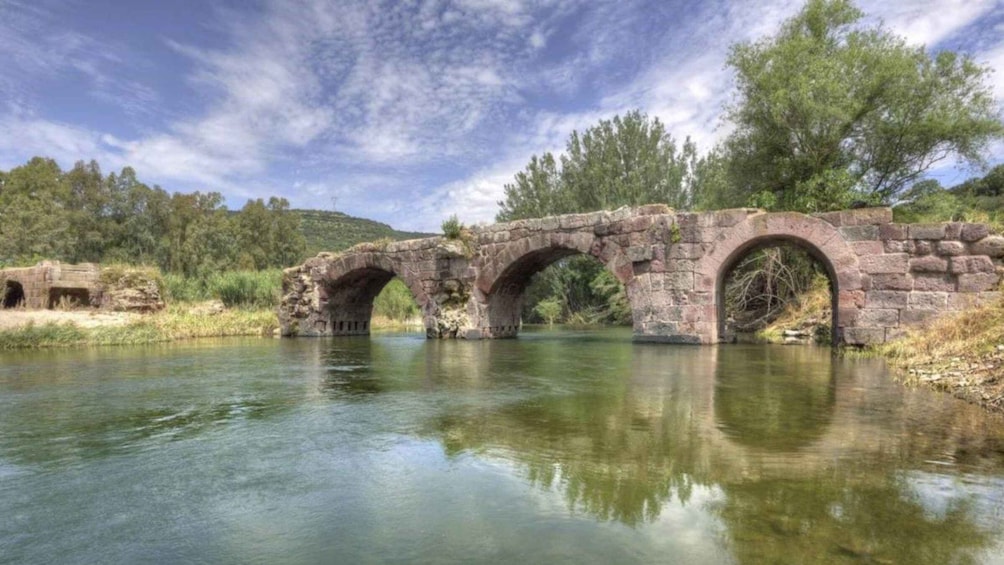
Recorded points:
(34, 219)
(628, 160)
(828, 111)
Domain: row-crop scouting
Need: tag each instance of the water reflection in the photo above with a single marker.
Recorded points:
(763, 454)
(777, 404)
(808, 450)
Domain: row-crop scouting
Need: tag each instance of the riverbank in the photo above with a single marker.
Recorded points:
(961, 354)
(35, 329)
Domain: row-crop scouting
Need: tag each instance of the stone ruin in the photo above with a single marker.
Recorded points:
(52, 284)
(884, 276)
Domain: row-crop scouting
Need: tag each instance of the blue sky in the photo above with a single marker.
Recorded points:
(404, 112)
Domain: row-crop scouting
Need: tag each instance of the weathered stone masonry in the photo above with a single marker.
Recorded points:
(885, 276)
(43, 285)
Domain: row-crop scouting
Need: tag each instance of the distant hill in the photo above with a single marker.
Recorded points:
(335, 231)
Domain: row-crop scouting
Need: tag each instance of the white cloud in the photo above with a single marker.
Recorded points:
(363, 99)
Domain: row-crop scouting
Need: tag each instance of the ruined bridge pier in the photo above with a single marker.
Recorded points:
(884, 276)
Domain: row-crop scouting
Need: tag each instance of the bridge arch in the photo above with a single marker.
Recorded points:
(504, 283)
(818, 238)
(348, 287)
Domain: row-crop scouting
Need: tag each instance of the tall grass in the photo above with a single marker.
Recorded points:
(176, 322)
(247, 289)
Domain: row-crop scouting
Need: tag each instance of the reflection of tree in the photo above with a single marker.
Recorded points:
(762, 403)
(618, 449)
(625, 447)
(839, 520)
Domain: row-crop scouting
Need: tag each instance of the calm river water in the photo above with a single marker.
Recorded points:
(557, 447)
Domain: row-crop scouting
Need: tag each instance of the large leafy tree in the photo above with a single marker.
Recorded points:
(829, 111)
(626, 160)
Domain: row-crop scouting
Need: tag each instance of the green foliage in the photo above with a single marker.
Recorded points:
(81, 215)
(549, 310)
(979, 199)
(251, 289)
(245, 289)
(452, 228)
(828, 112)
(395, 302)
(627, 160)
(335, 231)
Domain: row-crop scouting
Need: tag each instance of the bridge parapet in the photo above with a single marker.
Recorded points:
(885, 276)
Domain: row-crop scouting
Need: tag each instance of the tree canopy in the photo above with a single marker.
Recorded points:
(82, 215)
(829, 111)
(625, 160)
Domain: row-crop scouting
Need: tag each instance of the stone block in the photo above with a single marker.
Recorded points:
(851, 298)
(934, 282)
(974, 232)
(928, 300)
(921, 247)
(887, 263)
(863, 336)
(892, 231)
(859, 233)
(866, 216)
(978, 282)
(927, 231)
(886, 298)
(879, 317)
(847, 316)
(899, 246)
(892, 281)
(971, 264)
(868, 247)
(832, 218)
(680, 280)
(950, 248)
(731, 217)
(914, 317)
(963, 300)
(686, 251)
(653, 210)
(992, 246)
(953, 230)
(929, 264)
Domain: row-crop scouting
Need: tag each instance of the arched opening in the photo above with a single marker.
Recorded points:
(69, 298)
(555, 285)
(773, 276)
(348, 300)
(13, 294)
(396, 308)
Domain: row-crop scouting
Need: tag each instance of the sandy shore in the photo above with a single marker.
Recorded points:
(16, 318)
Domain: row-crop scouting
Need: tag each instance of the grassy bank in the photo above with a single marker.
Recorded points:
(961, 354)
(174, 322)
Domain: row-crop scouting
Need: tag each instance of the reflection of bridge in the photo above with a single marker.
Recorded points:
(885, 276)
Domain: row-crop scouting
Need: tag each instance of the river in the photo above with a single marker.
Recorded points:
(557, 447)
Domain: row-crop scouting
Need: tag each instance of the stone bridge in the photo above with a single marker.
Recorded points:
(884, 276)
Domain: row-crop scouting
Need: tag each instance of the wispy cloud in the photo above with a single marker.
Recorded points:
(403, 111)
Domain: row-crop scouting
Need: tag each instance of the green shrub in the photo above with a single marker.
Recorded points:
(395, 302)
(248, 288)
(452, 228)
(251, 289)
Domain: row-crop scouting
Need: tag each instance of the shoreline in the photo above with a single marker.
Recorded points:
(962, 355)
